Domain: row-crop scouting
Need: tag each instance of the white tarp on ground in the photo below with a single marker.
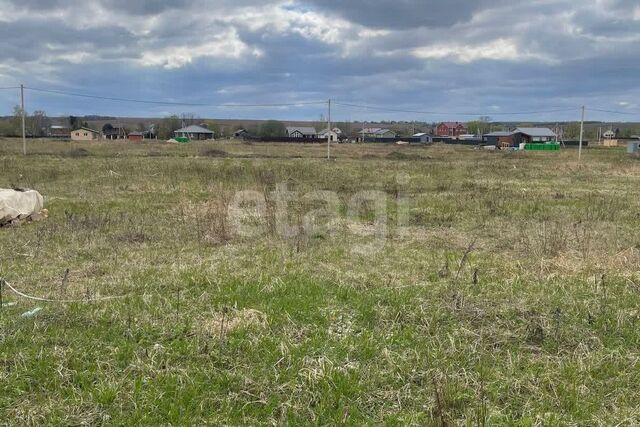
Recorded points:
(15, 204)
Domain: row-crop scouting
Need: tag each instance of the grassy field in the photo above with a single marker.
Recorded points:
(502, 289)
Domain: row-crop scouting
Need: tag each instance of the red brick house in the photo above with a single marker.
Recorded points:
(451, 129)
(136, 136)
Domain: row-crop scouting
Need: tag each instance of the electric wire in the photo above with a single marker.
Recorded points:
(307, 103)
(628, 113)
(183, 104)
(369, 107)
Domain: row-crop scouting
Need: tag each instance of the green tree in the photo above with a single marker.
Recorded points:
(571, 131)
(38, 123)
(168, 126)
(480, 126)
(273, 128)
(16, 122)
(74, 123)
(214, 127)
(7, 127)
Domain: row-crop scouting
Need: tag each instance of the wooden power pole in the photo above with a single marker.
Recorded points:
(329, 133)
(24, 131)
(581, 135)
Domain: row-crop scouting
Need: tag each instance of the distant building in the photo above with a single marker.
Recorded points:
(302, 132)
(114, 132)
(241, 133)
(451, 129)
(56, 131)
(533, 135)
(520, 136)
(336, 134)
(195, 132)
(424, 138)
(375, 133)
(499, 139)
(85, 134)
(136, 136)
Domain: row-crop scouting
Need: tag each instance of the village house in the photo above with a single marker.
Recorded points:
(241, 133)
(451, 129)
(85, 134)
(194, 132)
(375, 133)
(533, 135)
(114, 132)
(56, 131)
(520, 136)
(499, 138)
(424, 138)
(136, 136)
(336, 134)
(302, 132)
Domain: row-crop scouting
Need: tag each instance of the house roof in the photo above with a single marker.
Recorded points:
(375, 131)
(499, 133)
(421, 134)
(194, 129)
(536, 132)
(369, 130)
(337, 131)
(452, 124)
(87, 129)
(137, 133)
(304, 130)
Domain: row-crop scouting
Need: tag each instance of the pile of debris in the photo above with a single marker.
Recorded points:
(21, 205)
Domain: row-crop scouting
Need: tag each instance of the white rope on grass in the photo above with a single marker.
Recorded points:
(60, 301)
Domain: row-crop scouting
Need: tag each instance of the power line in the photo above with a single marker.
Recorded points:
(304, 103)
(629, 113)
(183, 104)
(344, 104)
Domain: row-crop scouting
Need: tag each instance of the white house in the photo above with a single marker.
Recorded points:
(335, 133)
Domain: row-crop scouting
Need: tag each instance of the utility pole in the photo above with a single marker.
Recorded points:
(581, 135)
(329, 132)
(24, 132)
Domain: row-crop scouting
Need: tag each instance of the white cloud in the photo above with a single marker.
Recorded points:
(282, 19)
(500, 49)
(224, 46)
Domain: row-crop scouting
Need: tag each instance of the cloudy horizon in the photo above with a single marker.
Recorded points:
(487, 57)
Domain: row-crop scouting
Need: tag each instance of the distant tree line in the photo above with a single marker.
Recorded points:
(36, 124)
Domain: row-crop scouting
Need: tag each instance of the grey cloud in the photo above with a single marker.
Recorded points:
(30, 40)
(398, 14)
(590, 51)
(135, 7)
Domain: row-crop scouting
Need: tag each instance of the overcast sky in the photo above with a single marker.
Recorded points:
(488, 57)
